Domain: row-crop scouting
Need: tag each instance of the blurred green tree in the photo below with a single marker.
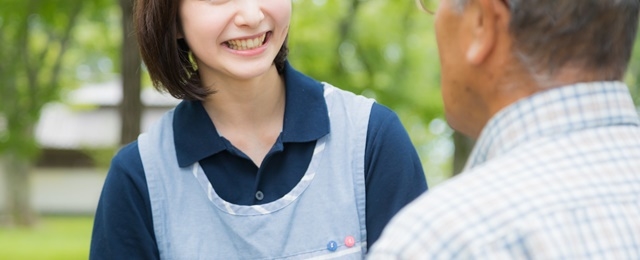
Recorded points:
(382, 49)
(37, 36)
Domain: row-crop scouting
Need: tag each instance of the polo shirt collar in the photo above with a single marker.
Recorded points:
(305, 119)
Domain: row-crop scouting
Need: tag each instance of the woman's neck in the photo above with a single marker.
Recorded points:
(250, 114)
(241, 102)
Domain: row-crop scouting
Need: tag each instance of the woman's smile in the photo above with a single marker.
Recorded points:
(248, 43)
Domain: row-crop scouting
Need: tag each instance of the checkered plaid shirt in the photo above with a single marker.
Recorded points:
(553, 176)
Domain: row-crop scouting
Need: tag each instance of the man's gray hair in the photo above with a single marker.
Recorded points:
(593, 35)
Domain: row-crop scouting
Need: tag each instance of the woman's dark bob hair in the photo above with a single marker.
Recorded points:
(156, 25)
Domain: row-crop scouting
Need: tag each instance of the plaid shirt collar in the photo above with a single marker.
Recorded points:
(556, 111)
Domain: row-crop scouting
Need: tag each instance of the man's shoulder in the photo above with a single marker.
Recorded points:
(471, 209)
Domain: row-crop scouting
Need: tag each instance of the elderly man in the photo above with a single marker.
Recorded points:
(555, 173)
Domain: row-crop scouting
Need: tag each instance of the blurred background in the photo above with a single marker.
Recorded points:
(73, 90)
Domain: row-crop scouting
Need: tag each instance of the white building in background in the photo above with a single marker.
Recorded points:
(87, 117)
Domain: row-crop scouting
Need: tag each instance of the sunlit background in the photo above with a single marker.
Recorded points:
(63, 111)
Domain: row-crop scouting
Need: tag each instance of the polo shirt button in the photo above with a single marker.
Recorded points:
(259, 195)
(332, 246)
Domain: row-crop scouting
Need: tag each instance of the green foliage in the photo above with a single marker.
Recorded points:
(54, 238)
(382, 49)
(40, 39)
(37, 37)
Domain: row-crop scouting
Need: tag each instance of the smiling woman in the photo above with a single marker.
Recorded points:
(259, 160)
(210, 28)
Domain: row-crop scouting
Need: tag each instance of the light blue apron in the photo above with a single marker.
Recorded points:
(322, 217)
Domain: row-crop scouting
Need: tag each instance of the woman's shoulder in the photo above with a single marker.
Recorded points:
(126, 163)
(383, 117)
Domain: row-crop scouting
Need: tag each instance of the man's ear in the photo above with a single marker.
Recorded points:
(490, 19)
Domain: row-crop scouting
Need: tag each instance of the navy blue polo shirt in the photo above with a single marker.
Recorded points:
(123, 225)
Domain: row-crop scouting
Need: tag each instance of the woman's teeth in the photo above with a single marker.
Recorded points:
(247, 44)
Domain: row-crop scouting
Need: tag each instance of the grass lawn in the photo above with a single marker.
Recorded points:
(55, 237)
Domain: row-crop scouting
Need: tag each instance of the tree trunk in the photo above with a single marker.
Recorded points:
(131, 106)
(463, 146)
(17, 172)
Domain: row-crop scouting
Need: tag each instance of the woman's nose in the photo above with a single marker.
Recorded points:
(249, 13)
